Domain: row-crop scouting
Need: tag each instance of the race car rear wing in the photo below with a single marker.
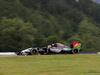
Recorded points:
(77, 45)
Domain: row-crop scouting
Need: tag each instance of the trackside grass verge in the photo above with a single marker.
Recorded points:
(51, 65)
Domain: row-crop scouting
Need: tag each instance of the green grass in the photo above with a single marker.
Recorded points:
(50, 65)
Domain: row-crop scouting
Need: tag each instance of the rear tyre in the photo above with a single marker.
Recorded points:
(75, 51)
(34, 51)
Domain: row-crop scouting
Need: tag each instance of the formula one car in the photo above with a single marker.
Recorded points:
(55, 48)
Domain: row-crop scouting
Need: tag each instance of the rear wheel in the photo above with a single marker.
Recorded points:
(34, 51)
(75, 51)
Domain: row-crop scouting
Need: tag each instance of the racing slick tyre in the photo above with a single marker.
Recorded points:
(34, 51)
(75, 50)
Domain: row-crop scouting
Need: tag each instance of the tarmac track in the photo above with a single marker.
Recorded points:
(53, 54)
(12, 54)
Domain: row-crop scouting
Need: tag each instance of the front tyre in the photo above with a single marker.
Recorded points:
(75, 51)
(34, 51)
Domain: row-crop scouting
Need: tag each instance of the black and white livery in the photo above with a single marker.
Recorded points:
(56, 48)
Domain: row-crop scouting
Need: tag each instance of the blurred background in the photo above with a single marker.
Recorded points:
(37, 23)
